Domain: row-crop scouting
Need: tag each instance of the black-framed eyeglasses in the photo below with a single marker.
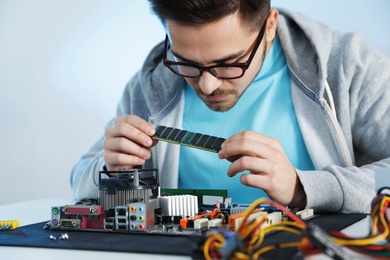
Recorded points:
(220, 71)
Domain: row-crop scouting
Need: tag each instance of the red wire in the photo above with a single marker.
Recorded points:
(289, 213)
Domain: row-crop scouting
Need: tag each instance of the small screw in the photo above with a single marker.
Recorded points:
(53, 237)
(64, 236)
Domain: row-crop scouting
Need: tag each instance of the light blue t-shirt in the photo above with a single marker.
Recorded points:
(265, 107)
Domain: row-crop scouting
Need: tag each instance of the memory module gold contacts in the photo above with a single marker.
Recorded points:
(186, 138)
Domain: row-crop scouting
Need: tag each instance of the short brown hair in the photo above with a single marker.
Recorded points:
(199, 12)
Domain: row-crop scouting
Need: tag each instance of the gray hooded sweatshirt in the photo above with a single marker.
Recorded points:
(341, 94)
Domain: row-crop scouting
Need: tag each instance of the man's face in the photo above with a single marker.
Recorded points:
(225, 41)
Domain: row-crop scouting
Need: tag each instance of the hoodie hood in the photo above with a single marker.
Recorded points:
(307, 45)
(159, 85)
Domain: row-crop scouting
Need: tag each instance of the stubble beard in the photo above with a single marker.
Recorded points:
(222, 106)
(225, 107)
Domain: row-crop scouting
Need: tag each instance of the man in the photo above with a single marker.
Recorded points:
(304, 110)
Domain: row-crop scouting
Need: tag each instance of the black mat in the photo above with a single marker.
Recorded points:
(35, 236)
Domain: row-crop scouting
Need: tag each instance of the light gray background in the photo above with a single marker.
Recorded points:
(64, 63)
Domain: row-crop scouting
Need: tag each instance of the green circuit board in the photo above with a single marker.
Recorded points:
(183, 137)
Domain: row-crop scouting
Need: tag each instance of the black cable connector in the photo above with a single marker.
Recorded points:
(320, 239)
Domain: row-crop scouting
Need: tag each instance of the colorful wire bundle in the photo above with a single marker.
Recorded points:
(376, 243)
(247, 241)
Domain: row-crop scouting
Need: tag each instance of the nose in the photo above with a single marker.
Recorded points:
(208, 83)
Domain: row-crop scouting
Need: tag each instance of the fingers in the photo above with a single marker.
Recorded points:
(249, 143)
(133, 128)
(116, 160)
(126, 146)
(248, 163)
(268, 165)
(250, 135)
(127, 142)
(259, 170)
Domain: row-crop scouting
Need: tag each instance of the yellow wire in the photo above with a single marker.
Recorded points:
(274, 227)
(374, 237)
(241, 256)
(212, 237)
(259, 241)
(374, 218)
(374, 222)
(281, 245)
(280, 225)
(291, 244)
(249, 228)
(248, 211)
(262, 251)
(287, 229)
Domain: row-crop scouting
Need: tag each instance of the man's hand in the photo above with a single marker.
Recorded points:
(269, 167)
(127, 142)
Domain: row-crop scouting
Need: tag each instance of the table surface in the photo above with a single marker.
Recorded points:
(34, 211)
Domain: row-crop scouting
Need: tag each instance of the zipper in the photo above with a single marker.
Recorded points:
(339, 135)
(330, 114)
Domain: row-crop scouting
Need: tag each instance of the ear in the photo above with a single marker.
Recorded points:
(270, 31)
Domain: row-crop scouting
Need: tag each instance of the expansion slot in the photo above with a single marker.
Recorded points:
(183, 137)
(235, 220)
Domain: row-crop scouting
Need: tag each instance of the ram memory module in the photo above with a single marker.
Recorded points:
(183, 137)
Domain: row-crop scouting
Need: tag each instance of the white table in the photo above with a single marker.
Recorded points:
(30, 212)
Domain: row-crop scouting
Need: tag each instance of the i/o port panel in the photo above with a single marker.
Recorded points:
(141, 216)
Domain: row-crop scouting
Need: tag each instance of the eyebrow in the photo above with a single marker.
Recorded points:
(218, 61)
